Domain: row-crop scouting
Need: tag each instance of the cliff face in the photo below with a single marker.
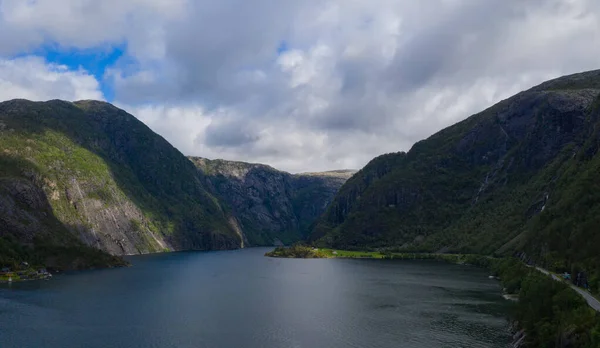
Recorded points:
(89, 174)
(517, 176)
(271, 206)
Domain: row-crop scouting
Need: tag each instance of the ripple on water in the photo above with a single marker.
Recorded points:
(242, 299)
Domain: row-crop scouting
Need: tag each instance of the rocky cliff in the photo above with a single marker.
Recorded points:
(519, 176)
(271, 206)
(91, 176)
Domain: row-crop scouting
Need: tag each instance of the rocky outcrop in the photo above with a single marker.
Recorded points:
(96, 172)
(30, 231)
(271, 206)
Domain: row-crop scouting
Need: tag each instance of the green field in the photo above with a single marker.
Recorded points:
(299, 251)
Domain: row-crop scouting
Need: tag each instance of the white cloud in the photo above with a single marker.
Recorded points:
(180, 125)
(359, 78)
(86, 23)
(32, 78)
(188, 128)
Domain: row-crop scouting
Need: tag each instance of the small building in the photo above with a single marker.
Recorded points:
(5, 270)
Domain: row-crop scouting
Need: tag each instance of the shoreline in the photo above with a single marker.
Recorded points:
(15, 277)
(520, 284)
(24, 280)
(301, 252)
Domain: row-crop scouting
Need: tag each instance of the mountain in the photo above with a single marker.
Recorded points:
(271, 206)
(87, 176)
(520, 176)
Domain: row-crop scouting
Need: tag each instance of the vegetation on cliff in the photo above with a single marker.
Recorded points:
(271, 205)
(517, 177)
(550, 312)
(76, 177)
(56, 255)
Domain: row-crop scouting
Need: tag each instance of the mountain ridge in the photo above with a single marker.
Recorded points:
(500, 181)
(82, 180)
(111, 182)
(272, 206)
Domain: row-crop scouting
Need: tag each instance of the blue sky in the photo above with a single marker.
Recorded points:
(283, 47)
(95, 61)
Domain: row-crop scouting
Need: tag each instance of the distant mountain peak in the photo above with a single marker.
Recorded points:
(271, 205)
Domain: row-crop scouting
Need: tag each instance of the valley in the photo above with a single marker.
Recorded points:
(84, 184)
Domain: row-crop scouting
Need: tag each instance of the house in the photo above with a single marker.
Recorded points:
(5, 270)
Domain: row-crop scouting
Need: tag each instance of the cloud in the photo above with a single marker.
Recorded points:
(355, 78)
(85, 23)
(32, 78)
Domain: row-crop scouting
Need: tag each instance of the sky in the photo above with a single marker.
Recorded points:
(302, 85)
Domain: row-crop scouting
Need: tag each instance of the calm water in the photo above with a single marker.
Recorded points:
(242, 299)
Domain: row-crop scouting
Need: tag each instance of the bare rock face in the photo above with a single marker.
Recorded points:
(272, 206)
(90, 173)
(113, 224)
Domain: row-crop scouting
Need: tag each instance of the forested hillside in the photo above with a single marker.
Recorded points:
(520, 176)
(90, 176)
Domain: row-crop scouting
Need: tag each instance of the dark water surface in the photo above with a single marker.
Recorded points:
(242, 299)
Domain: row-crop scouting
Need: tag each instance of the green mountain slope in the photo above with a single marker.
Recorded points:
(519, 176)
(271, 206)
(89, 174)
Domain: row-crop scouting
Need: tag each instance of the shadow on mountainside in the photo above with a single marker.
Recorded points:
(30, 230)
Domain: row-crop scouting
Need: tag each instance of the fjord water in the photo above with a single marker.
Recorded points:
(242, 299)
